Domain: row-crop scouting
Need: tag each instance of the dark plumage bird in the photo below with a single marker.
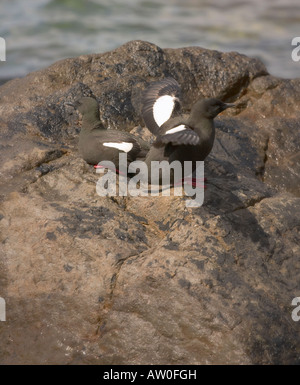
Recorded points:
(97, 144)
(178, 137)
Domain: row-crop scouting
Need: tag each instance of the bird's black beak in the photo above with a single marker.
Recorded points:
(75, 104)
(228, 105)
(69, 104)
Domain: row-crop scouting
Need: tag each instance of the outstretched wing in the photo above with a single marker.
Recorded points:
(161, 101)
(178, 135)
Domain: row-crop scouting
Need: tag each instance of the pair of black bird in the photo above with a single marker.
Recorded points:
(178, 137)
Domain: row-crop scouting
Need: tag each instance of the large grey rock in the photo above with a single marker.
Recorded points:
(146, 280)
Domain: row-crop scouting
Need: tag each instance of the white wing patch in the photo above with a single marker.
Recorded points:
(123, 146)
(163, 108)
(182, 127)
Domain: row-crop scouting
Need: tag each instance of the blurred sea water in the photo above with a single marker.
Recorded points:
(40, 32)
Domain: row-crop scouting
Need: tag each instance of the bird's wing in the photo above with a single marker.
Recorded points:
(161, 101)
(120, 140)
(178, 135)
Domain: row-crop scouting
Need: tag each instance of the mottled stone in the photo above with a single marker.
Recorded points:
(146, 280)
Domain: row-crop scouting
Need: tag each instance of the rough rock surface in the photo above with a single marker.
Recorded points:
(145, 280)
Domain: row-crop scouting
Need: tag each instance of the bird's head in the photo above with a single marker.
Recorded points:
(86, 105)
(209, 108)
